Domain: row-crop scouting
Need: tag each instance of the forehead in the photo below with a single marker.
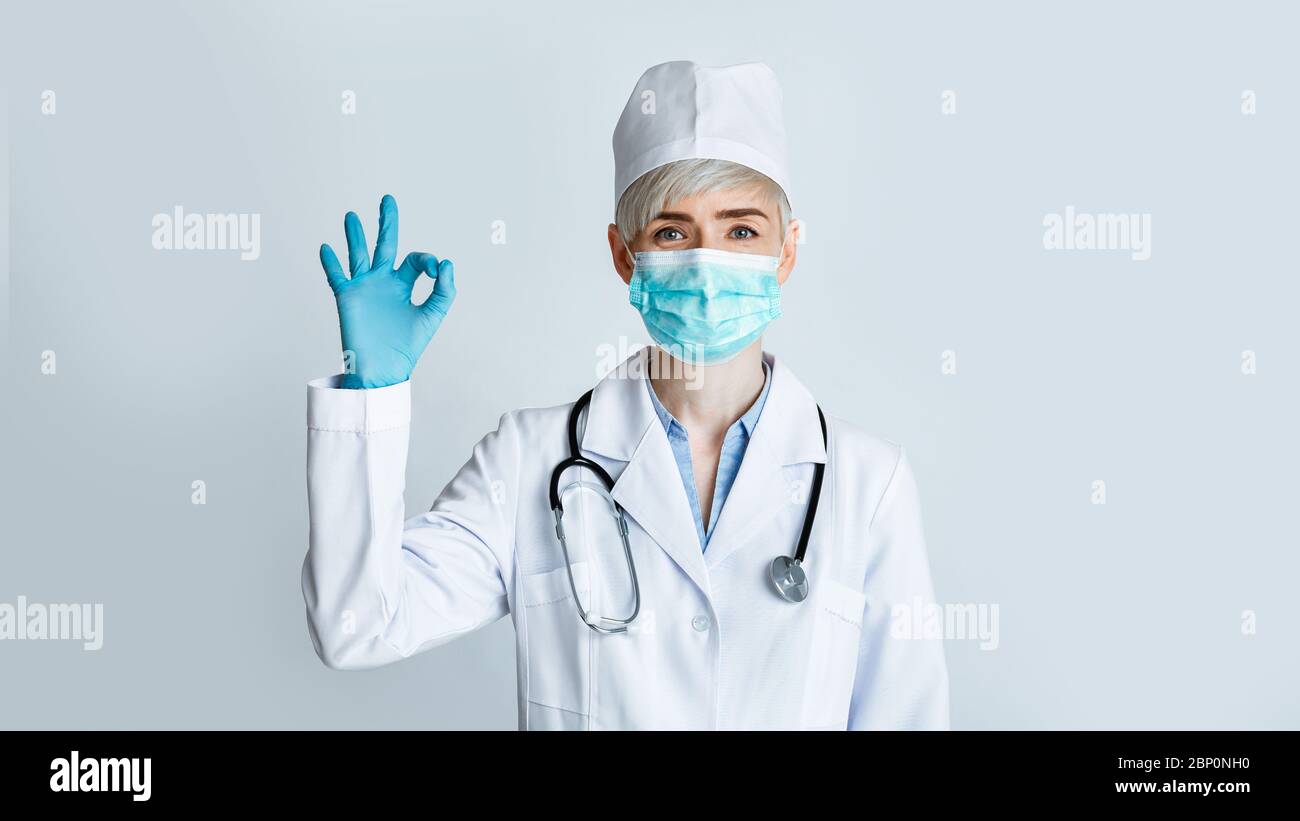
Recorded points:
(708, 203)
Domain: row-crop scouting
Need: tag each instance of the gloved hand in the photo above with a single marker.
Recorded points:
(385, 332)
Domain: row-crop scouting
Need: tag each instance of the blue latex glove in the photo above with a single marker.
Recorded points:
(385, 332)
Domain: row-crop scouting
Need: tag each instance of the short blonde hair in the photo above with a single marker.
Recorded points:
(658, 188)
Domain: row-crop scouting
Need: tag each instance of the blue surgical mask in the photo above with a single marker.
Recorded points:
(703, 305)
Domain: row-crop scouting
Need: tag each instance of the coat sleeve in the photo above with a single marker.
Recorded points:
(902, 680)
(380, 587)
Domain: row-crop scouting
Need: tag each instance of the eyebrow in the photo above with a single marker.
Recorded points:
(728, 214)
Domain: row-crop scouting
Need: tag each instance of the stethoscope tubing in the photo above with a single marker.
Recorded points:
(576, 459)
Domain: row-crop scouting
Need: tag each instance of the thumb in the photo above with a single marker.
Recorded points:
(444, 290)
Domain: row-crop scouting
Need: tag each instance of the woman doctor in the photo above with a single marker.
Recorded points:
(725, 559)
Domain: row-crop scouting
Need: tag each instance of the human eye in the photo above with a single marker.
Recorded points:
(742, 232)
(670, 234)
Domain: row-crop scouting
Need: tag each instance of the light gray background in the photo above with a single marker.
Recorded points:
(924, 234)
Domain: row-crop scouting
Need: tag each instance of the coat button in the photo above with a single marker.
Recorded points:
(700, 623)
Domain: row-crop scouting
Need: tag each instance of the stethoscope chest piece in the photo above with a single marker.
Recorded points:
(789, 579)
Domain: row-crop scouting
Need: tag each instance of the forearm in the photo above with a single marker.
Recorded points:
(380, 587)
(356, 465)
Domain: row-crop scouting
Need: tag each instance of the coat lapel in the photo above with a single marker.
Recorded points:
(788, 433)
(622, 425)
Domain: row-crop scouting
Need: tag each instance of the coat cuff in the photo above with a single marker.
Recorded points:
(341, 410)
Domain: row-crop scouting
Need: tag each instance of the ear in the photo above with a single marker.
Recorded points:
(788, 252)
(622, 263)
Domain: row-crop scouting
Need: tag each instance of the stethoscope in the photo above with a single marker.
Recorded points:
(786, 572)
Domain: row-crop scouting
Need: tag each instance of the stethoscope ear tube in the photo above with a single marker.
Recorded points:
(787, 573)
(575, 459)
(818, 472)
(576, 462)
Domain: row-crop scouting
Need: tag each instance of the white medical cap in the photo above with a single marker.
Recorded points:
(683, 111)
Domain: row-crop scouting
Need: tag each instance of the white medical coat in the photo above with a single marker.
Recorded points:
(714, 646)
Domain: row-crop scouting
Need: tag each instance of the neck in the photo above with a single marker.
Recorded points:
(707, 399)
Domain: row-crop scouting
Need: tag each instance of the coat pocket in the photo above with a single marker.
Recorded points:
(559, 643)
(833, 654)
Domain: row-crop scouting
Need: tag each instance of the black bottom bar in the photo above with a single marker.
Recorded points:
(489, 771)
